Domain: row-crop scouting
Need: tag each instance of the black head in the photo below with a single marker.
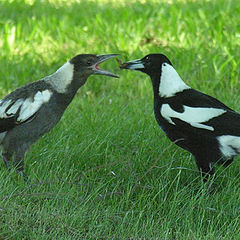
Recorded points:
(88, 64)
(165, 79)
(150, 64)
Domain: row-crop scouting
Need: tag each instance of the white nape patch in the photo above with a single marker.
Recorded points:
(62, 77)
(229, 145)
(30, 107)
(195, 116)
(170, 82)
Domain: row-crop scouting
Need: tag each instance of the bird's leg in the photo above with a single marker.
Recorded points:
(24, 175)
(205, 169)
(206, 175)
(7, 158)
(19, 164)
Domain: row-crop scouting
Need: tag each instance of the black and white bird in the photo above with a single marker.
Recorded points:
(34, 109)
(193, 120)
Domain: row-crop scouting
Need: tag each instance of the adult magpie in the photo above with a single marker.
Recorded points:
(193, 120)
(32, 110)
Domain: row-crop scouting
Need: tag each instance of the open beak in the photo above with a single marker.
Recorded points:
(100, 59)
(132, 65)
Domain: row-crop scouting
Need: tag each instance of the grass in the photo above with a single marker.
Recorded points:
(106, 171)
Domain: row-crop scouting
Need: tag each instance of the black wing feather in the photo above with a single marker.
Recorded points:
(193, 98)
(226, 124)
(7, 123)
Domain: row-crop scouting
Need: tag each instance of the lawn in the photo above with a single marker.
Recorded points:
(107, 171)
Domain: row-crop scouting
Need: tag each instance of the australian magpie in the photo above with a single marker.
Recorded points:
(35, 108)
(193, 120)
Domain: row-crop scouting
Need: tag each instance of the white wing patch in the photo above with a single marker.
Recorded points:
(13, 109)
(170, 82)
(30, 107)
(195, 116)
(27, 107)
(229, 145)
(3, 107)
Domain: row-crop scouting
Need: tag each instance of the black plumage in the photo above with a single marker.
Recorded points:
(194, 121)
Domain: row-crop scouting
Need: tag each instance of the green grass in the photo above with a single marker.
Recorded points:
(106, 171)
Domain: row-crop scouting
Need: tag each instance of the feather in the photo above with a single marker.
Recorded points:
(17, 111)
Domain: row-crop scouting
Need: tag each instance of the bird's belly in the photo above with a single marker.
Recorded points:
(29, 132)
(192, 141)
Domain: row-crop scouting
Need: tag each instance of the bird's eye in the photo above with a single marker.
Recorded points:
(164, 64)
(147, 60)
(89, 62)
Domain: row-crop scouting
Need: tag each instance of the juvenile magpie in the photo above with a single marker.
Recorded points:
(32, 110)
(192, 120)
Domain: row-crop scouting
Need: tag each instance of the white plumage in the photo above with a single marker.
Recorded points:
(28, 107)
(64, 77)
(13, 109)
(195, 116)
(229, 145)
(3, 107)
(170, 82)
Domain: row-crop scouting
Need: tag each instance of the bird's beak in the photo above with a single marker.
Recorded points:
(132, 65)
(100, 59)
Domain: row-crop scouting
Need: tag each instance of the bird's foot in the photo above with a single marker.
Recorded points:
(24, 175)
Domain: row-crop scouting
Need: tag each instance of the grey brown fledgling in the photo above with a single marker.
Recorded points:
(34, 109)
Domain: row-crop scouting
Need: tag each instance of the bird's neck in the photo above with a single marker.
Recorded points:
(66, 81)
(155, 84)
(62, 78)
(166, 84)
(170, 82)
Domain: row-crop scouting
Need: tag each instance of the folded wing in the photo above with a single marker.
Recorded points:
(194, 109)
(17, 111)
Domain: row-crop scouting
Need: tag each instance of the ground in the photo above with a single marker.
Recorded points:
(107, 171)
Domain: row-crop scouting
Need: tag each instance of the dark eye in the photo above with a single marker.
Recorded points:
(89, 62)
(147, 60)
(164, 64)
